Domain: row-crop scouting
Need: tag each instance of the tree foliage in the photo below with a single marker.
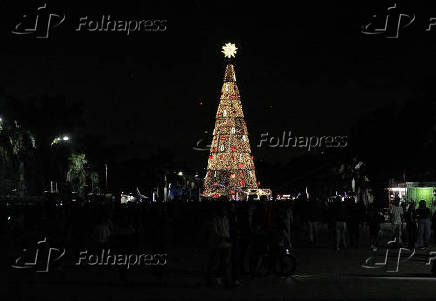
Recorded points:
(76, 174)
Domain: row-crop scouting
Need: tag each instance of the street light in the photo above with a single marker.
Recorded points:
(59, 139)
(105, 167)
(55, 141)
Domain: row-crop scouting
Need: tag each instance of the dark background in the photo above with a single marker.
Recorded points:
(147, 98)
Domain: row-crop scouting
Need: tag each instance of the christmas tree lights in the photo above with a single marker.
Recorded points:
(230, 168)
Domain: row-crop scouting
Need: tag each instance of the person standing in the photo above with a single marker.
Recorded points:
(235, 238)
(433, 226)
(287, 219)
(102, 232)
(411, 227)
(397, 220)
(220, 246)
(313, 217)
(261, 238)
(245, 237)
(353, 221)
(330, 217)
(300, 210)
(341, 225)
(374, 218)
(423, 215)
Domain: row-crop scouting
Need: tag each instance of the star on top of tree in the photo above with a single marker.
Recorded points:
(229, 50)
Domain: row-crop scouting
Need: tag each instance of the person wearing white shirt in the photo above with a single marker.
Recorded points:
(397, 213)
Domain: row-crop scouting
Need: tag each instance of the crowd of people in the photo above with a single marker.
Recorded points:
(236, 235)
(413, 224)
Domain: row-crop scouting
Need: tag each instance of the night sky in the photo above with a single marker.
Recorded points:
(306, 68)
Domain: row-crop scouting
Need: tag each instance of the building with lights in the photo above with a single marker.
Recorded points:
(415, 191)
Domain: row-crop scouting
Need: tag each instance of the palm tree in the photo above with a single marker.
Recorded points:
(76, 174)
(95, 179)
(16, 144)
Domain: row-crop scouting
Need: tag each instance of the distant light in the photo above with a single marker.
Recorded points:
(180, 173)
(66, 138)
(399, 189)
(55, 140)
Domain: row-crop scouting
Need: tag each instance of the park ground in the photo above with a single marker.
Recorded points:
(322, 273)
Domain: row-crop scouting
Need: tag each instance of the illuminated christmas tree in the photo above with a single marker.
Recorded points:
(230, 168)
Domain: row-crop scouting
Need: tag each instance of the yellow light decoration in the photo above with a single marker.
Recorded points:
(229, 50)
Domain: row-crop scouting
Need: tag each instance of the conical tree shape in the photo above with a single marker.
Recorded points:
(230, 168)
